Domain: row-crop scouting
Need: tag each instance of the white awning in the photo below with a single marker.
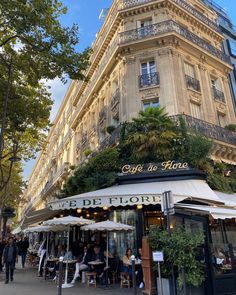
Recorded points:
(17, 230)
(227, 199)
(139, 193)
(37, 216)
(215, 212)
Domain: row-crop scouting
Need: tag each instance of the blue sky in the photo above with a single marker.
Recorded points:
(85, 13)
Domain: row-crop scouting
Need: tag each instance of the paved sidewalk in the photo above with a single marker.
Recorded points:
(26, 282)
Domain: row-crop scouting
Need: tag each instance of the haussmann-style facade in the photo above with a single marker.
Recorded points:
(147, 53)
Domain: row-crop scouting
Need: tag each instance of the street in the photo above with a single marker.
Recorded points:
(26, 282)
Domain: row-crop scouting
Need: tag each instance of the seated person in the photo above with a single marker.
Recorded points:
(68, 255)
(139, 269)
(127, 264)
(60, 253)
(82, 264)
(127, 260)
(98, 256)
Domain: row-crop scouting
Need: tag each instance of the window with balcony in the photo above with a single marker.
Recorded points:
(190, 76)
(152, 103)
(148, 74)
(142, 27)
(217, 90)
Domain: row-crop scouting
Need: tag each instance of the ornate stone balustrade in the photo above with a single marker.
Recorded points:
(171, 27)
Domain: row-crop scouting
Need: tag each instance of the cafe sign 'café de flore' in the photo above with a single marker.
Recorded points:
(144, 184)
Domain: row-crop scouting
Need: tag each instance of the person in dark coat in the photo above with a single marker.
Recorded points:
(2, 246)
(10, 257)
(24, 248)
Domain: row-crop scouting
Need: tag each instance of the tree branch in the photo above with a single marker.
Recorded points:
(8, 39)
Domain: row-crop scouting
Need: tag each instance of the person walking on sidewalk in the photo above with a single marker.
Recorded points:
(10, 257)
(23, 249)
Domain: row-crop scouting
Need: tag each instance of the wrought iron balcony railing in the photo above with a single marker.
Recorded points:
(193, 83)
(92, 130)
(198, 14)
(132, 3)
(115, 98)
(171, 27)
(149, 80)
(102, 116)
(218, 95)
(210, 130)
(111, 139)
(84, 138)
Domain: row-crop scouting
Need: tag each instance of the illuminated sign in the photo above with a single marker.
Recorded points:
(154, 167)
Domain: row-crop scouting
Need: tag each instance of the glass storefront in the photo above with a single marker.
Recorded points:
(223, 245)
(119, 242)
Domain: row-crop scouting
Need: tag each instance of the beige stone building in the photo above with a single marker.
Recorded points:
(148, 52)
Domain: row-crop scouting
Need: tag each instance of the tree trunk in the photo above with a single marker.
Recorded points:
(4, 228)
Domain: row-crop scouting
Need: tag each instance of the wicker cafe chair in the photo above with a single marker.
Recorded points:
(124, 279)
(91, 278)
(124, 276)
(114, 269)
(71, 271)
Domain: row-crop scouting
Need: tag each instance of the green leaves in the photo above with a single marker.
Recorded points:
(31, 33)
(99, 172)
(180, 250)
(149, 137)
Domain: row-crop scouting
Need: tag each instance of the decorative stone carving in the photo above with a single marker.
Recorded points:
(149, 94)
(221, 108)
(130, 60)
(195, 98)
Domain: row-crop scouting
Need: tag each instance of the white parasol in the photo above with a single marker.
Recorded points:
(108, 226)
(67, 221)
(43, 228)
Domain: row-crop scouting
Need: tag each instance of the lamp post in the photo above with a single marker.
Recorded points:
(168, 209)
(60, 275)
(7, 212)
(133, 274)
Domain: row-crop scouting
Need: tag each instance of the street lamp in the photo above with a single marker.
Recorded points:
(7, 212)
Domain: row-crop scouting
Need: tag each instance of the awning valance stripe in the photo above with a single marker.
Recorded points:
(138, 193)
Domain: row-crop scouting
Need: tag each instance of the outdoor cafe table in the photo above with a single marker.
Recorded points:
(55, 259)
(70, 261)
(95, 263)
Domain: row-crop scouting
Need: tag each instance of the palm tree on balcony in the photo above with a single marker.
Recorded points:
(149, 137)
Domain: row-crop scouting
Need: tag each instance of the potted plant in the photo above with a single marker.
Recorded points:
(180, 251)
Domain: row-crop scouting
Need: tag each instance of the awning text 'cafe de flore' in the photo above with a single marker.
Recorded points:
(136, 200)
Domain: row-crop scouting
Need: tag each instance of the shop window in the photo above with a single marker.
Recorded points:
(119, 242)
(223, 247)
(148, 74)
(153, 103)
